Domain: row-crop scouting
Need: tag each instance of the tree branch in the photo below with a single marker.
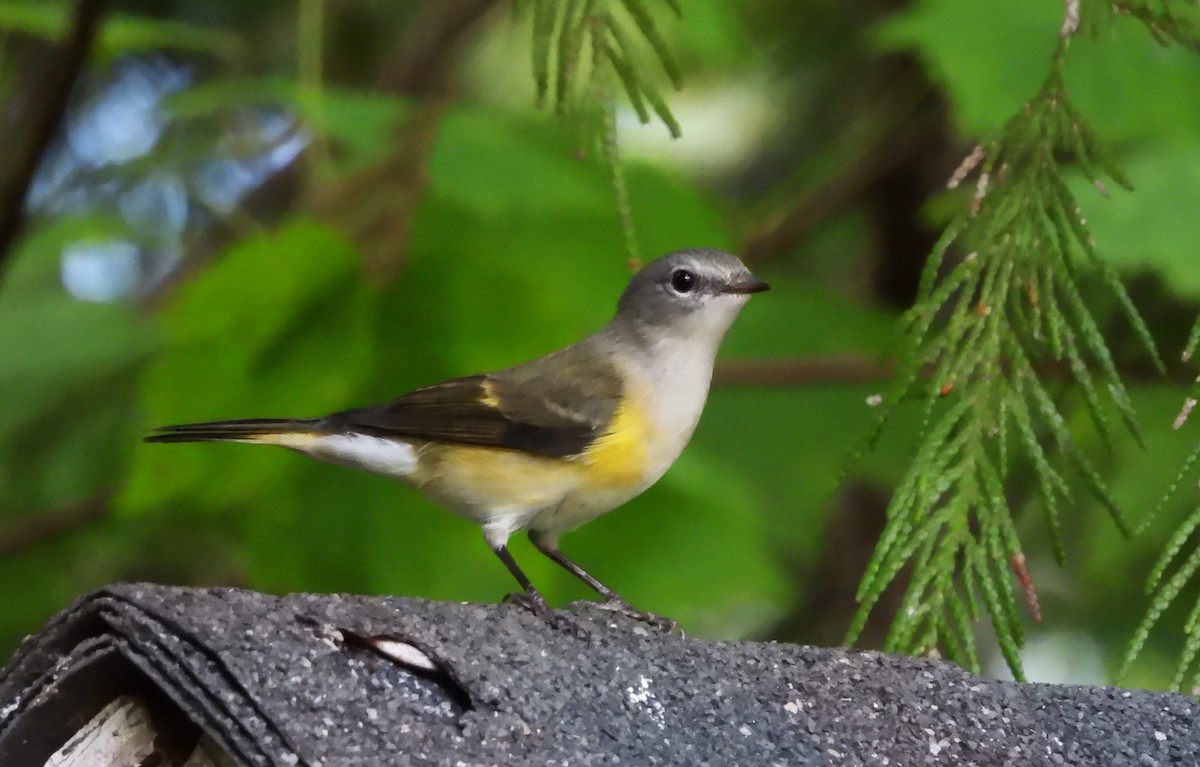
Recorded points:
(35, 116)
(805, 371)
(377, 206)
(848, 369)
(884, 151)
(418, 66)
(35, 529)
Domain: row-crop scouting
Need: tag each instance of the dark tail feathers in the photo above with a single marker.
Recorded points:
(217, 431)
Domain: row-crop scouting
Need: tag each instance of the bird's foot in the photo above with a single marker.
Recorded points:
(532, 601)
(660, 622)
(558, 620)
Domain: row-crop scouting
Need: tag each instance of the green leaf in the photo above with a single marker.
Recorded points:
(495, 165)
(1141, 230)
(990, 54)
(1124, 60)
(56, 338)
(274, 328)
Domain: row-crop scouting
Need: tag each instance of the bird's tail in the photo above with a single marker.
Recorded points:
(268, 430)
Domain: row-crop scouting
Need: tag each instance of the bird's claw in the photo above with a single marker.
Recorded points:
(532, 601)
(536, 604)
(660, 622)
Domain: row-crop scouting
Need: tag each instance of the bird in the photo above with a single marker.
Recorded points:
(550, 444)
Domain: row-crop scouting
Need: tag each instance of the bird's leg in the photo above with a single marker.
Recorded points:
(547, 543)
(529, 598)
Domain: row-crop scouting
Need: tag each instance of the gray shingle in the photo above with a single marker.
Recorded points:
(265, 678)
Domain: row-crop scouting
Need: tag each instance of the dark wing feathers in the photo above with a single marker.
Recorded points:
(549, 407)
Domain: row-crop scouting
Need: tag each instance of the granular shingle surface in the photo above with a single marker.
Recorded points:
(271, 680)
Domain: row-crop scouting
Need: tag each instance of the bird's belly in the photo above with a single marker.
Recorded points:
(531, 491)
(481, 483)
(582, 506)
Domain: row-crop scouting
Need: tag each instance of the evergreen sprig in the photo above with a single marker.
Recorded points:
(1173, 21)
(1168, 21)
(979, 341)
(583, 50)
(564, 31)
(1182, 553)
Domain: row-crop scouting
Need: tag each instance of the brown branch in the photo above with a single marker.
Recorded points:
(34, 117)
(35, 529)
(806, 371)
(849, 369)
(817, 204)
(377, 206)
(419, 64)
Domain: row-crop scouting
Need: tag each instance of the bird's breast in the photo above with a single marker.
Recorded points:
(659, 410)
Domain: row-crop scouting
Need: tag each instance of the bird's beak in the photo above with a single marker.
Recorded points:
(746, 286)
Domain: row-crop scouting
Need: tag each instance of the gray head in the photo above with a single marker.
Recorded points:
(688, 293)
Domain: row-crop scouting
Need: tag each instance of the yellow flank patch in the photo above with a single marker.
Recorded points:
(469, 478)
(618, 457)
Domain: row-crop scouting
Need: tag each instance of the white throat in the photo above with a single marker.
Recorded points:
(669, 368)
(671, 379)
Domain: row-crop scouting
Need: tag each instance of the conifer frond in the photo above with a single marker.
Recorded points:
(1168, 21)
(981, 335)
(1193, 341)
(1172, 21)
(1165, 593)
(564, 31)
(1182, 553)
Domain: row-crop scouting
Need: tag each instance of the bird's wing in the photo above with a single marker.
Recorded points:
(554, 406)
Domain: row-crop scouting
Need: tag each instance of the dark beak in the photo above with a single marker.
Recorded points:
(746, 286)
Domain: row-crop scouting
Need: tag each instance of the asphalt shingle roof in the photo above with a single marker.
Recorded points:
(290, 681)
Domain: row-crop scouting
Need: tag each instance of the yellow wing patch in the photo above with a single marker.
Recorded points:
(489, 397)
(618, 457)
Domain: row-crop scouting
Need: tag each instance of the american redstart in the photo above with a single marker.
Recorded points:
(555, 442)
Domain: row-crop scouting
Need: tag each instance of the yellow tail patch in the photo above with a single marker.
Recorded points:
(295, 440)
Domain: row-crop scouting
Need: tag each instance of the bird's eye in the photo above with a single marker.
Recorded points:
(683, 281)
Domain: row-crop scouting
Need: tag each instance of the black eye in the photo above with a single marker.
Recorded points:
(683, 281)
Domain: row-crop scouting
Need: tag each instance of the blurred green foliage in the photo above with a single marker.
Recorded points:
(505, 232)
(122, 33)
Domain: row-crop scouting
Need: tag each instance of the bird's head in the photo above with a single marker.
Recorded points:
(689, 294)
